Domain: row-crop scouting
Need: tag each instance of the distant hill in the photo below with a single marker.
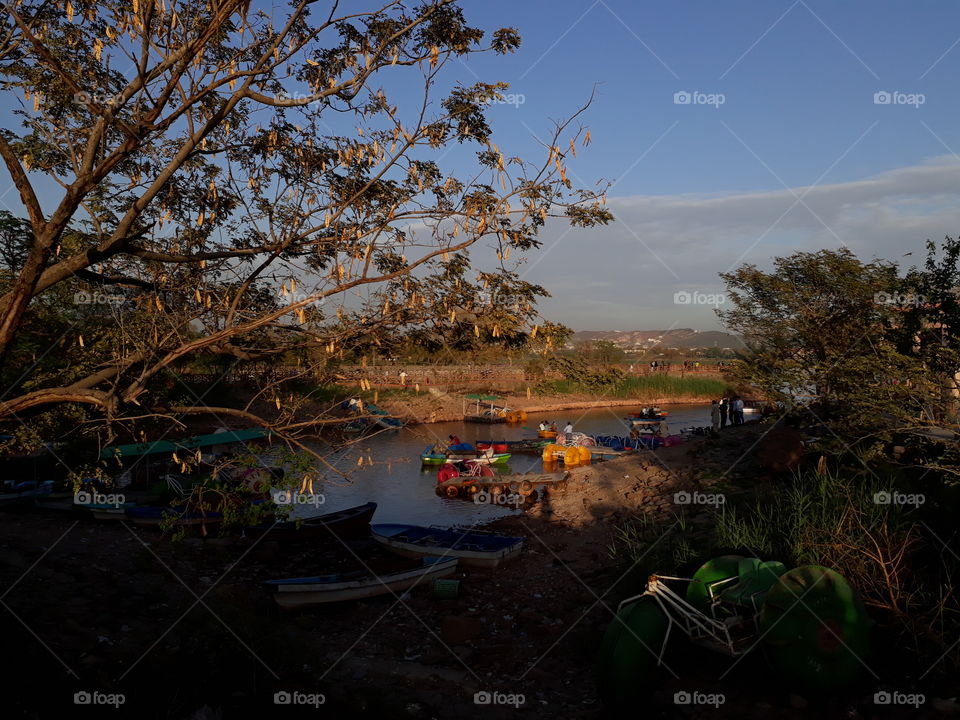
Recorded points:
(677, 338)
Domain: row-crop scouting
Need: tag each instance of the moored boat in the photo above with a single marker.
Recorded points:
(25, 491)
(306, 591)
(350, 522)
(471, 548)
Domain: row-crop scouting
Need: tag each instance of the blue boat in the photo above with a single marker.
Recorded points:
(381, 417)
(470, 548)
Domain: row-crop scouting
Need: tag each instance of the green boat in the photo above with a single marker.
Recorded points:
(810, 622)
(429, 457)
(191, 443)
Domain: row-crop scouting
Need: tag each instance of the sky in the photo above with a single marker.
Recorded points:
(810, 124)
(732, 133)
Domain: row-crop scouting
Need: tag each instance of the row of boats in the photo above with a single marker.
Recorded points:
(438, 551)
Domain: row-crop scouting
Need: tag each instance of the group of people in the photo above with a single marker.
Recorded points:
(721, 410)
(552, 427)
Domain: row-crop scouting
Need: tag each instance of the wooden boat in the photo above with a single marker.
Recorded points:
(351, 522)
(305, 591)
(154, 516)
(471, 548)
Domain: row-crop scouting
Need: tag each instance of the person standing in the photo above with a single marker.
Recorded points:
(568, 428)
(737, 411)
(724, 411)
(715, 415)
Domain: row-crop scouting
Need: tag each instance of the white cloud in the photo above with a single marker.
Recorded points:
(626, 274)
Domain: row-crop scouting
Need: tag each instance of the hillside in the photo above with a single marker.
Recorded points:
(676, 338)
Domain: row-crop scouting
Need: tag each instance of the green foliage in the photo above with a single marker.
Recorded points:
(827, 327)
(653, 546)
(577, 371)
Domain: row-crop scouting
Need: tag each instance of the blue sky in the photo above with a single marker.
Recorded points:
(703, 187)
(798, 156)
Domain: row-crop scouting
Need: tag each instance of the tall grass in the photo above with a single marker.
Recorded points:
(657, 385)
(886, 550)
(648, 387)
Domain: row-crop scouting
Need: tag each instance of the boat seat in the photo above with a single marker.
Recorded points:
(755, 578)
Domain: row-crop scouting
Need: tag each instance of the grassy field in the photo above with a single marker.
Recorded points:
(650, 387)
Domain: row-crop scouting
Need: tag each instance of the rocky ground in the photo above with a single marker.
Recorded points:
(185, 629)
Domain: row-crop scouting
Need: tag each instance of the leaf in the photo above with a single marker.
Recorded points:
(434, 55)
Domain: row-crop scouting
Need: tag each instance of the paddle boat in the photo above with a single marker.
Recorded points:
(490, 415)
(485, 457)
(811, 622)
(470, 548)
(306, 591)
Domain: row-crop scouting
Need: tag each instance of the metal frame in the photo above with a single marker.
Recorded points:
(698, 627)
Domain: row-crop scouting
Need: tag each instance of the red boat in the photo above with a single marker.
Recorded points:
(349, 523)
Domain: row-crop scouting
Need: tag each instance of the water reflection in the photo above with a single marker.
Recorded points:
(404, 491)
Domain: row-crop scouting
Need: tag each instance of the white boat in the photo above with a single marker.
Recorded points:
(306, 591)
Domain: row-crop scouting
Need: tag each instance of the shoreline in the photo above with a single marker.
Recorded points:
(421, 411)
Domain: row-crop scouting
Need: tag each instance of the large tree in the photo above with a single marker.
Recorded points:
(210, 180)
(824, 330)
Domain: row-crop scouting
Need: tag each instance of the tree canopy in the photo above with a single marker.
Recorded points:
(205, 180)
(857, 342)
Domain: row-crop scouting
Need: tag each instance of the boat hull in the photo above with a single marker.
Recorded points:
(466, 547)
(299, 592)
(351, 522)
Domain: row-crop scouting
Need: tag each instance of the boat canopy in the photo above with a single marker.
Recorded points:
(191, 443)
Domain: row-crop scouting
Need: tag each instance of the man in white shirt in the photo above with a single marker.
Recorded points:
(569, 428)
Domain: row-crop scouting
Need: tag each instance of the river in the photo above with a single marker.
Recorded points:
(404, 491)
